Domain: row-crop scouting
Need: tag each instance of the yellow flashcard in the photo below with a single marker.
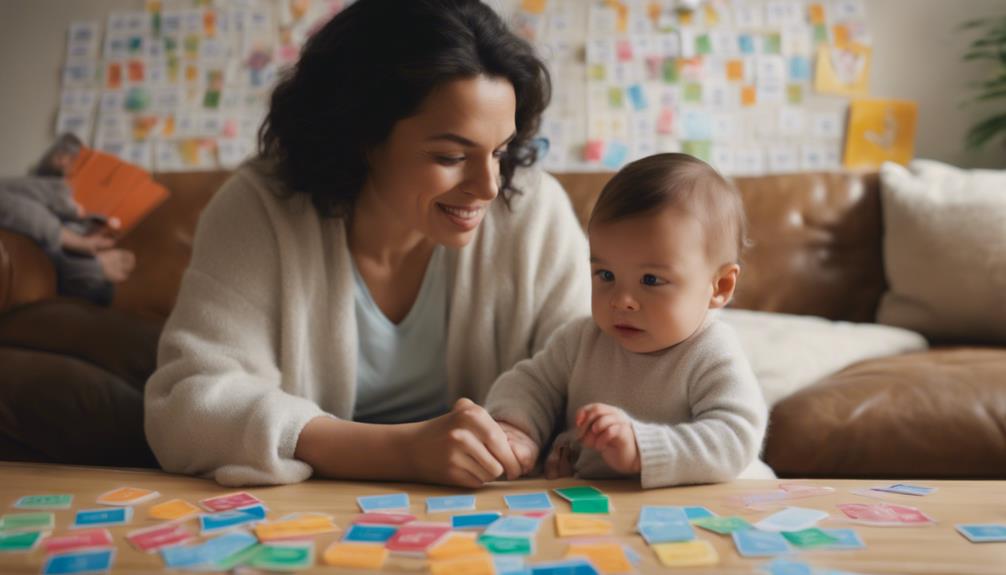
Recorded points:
(467, 565)
(816, 13)
(688, 554)
(126, 496)
(609, 558)
(880, 131)
(844, 71)
(358, 555)
(570, 524)
(455, 545)
(534, 6)
(304, 526)
(174, 509)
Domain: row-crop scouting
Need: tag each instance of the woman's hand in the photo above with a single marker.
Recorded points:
(524, 448)
(465, 447)
(559, 462)
(608, 430)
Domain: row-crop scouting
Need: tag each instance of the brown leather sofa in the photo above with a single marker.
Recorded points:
(72, 375)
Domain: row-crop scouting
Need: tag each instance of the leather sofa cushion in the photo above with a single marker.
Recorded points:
(936, 414)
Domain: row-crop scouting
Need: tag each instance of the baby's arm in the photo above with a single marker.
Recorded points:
(608, 430)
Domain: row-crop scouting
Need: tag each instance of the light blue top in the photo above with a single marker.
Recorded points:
(401, 373)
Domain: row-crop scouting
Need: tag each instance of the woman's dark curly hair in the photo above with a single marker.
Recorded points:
(372, 65)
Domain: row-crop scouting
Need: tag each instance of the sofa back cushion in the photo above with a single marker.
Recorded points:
(816, 242)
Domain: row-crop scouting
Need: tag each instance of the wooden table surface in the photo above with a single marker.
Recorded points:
(935, 549)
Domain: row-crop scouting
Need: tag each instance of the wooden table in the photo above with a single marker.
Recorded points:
(935, 549)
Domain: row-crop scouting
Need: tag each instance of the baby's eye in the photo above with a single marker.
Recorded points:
(449, 160)
(605, 275)
(652, 280)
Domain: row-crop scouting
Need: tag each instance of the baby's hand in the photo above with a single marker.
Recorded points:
(524, 448)
(608, 430)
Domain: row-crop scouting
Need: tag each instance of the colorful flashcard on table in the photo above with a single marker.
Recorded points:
(285, 557)
(60, 501)
(474, 520)
(390, 502)
(885, 514)
(697, 553)
(12, 522)
(666, 532)
(514, 526)
(84, 539)
(477, 564)
(450, 503)
(507, 545)
(384, 518)
(609, 558)
(528, 501)
(209, 552)
(845, 539)
(585, 499)
(661, 514)
(127, 496)
(723, 525)
(102, 517)
(905, 489)
(880, 131)
(572, 524)
(369, 533)
(577, 566)
(792, 519)
(355, 555)
(787, 566)
(171, 510)
(19, 542)
(216, 522)
(295, 528)
(416, 538)
(454, 545)
(756, 543)
(983, 532)
(812, 538)
(698, 512)
(152, 539)
(230, 501)
(93, 561)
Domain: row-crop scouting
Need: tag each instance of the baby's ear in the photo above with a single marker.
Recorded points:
(724, 284)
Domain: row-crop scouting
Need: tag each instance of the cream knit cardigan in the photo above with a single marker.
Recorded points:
(262, 338)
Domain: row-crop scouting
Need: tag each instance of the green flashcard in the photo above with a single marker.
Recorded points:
(701, 149)
(809, 538)
(20, 541)
(506, 545)
(820, 34)
(243, 557)
(723, 525)
(44, 502)
(211, 99)
(590, 505)
(615, 97)
(28, 522)
(670, 70)
(598, 72)
(579, 492)
(703, 45)
(283, 557)
(693, 92)
(794, 93)
(773, 43)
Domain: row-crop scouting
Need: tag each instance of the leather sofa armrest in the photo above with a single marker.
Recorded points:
(26, 272)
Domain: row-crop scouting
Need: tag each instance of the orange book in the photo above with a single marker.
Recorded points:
(106, 185)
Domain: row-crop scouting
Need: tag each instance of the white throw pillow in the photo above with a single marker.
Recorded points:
(790, 352)
(945, 251)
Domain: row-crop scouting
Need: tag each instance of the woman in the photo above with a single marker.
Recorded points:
(354, 288)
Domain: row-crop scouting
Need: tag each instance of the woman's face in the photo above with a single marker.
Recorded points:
(438, 171)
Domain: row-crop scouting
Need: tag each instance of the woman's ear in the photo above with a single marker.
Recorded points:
(724, 284)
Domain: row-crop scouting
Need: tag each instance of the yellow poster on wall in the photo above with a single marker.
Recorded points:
(844, 71)
(880, 131)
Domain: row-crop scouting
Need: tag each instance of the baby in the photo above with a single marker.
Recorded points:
(652, 384)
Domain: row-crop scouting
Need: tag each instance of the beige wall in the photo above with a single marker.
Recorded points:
(916, 56)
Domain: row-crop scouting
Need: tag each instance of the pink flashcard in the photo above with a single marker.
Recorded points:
(80, 540)
(416, 538)
(885, 514)
(158, 537)
(230, 501)
(384, 519)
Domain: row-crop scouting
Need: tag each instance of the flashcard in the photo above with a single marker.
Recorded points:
(19, 542)
(212, 551)
(661, 514)
(474, 520)
(215, 522)
(845, 539)
(723, 525)
(570, 524)
(450, 503)
(385, 518)
(44, 502)
(528, 501)
(96, 561)
(666, 532)
(480, 564)
(84, 539)
(27, 522)
(285, 557)
(755, 543)
(155, 538)
(369, 533)
(514, 526)
(102, 517)
(174, 509)
(127, 496)
(983, 532)
(812, 538)
(695, 553)
(791, 519)
(570, 567)
(297, 528)
(416, 538)
(355, 555)
(230, 501)
(507, 545)
(609, 558)
(905, 489)
(391, 502)
(455, 545)
(698, 512)
(885, 514)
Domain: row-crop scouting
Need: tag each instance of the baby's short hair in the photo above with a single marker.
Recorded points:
(682, 182)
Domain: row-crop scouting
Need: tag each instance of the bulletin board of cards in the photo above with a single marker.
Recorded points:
(752, 86)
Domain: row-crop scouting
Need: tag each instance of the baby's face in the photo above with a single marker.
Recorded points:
(652, 282)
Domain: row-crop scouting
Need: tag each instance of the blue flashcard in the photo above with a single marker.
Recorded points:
(94, 561)
(514, 526)
(216, 549)
(509, 564)
(698, 125)
(799, 69)
(792, 519)
(661, 514)
(847, 539)
(746, 43)
(369, 533)
(570, 567)
(615, 154)
(528, 501)
(213, 522)
(666, 532)
(393, 501)
(698, 512)
(783, 566)
(474, 520)
(983, 532)
(755, 543)
(637, 97)
(102, 517)
(450, 503)
(905, 489)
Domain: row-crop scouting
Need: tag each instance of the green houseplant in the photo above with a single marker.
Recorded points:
(990, 45)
